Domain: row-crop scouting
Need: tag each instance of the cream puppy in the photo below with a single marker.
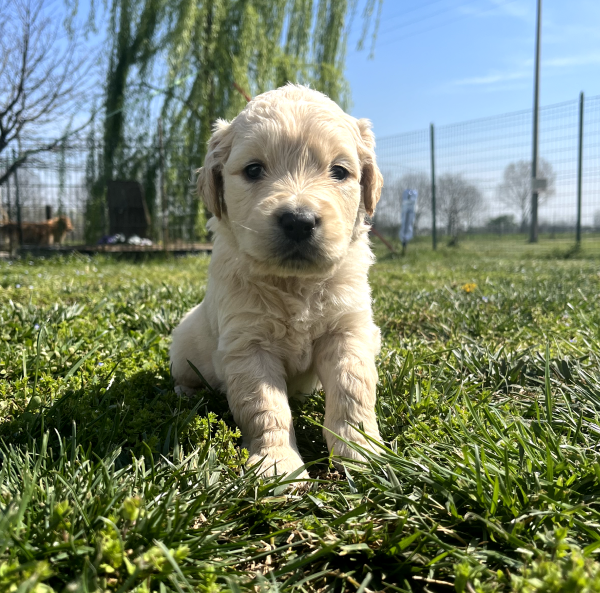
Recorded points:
(287, 305)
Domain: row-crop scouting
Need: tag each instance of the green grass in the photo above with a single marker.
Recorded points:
(489, 402)
(558, 245)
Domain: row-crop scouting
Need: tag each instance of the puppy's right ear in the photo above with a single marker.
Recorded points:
(371, 180)
(210, 176)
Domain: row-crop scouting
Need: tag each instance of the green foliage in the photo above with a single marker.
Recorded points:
(488, 400)
(567, 570)
(95, 218)
(181, 59)
(502, 224)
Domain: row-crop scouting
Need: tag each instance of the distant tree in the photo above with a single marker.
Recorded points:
(41, 77)
(597, 220)
(502, 224)
(515, 189)
(457, 202)
(389, 210)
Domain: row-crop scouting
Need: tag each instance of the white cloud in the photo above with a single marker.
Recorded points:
(493, 78)
(570, 61)
(525, 70)
(512, 8)
(520, 10)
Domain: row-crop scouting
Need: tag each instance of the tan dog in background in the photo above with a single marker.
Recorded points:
(50, 232)
(60, 226)
(288, 305)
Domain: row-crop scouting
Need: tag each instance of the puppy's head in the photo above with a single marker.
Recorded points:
(292, 176)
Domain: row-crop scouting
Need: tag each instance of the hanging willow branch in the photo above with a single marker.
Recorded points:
(202, 53)
(242, 92)
(204, 47)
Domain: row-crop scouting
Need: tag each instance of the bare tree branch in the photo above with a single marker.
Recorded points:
(515, 189)
(458, 203)
(43, 147)
(42, 75)
(389, 210)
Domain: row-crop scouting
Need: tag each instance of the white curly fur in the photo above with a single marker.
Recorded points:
(267, 327)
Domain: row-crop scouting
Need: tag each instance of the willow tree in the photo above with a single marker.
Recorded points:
(181, 60)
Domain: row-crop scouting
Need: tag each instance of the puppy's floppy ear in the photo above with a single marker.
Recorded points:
(371, 180)
(210, 176)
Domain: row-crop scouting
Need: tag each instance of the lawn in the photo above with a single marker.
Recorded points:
(488, 401)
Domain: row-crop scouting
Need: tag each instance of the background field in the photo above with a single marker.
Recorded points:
(489, 398)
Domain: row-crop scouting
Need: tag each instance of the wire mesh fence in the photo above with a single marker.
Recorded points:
(48, 183)
(483, 179)
(482, 185)
(67, 183)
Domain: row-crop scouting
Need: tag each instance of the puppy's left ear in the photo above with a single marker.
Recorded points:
(210, 176)
(371, 179)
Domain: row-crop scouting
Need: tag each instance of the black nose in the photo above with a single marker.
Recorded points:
(298, 226)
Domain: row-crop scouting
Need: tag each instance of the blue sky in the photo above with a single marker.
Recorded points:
(446, 61)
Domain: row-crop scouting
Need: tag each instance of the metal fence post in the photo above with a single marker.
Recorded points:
(8, 200)
(579, 169)
(433, 226)
(18, 203)
(163, 193)
(533, 231)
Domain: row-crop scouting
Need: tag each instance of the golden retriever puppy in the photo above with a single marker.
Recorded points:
(287, 305)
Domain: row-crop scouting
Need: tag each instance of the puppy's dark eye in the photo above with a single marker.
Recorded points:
(254, 171)
(338, 172)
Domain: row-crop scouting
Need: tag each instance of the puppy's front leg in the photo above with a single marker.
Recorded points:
(345, 363)
(257, 396)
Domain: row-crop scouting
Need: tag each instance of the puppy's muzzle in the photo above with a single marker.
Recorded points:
(298, 226)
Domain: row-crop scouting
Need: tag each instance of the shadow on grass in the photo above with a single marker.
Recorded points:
(141, 413)
(308, 415)
(136, 413)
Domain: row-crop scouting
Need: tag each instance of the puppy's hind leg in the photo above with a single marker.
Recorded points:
(185, 391)
(193, 343)
(302, 385)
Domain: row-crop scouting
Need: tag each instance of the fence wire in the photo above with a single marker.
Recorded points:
(482, 181)
(67, 181)
(483, 177)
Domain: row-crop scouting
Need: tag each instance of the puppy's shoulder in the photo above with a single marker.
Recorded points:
(349, 288)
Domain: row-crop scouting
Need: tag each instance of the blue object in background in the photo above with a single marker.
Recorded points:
(409, 205)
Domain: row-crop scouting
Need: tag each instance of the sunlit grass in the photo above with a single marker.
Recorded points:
(488, 402)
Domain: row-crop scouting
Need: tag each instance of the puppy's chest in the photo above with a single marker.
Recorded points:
(306, 321)
(302, 322)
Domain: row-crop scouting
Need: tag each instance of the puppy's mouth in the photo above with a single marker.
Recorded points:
(298, 255)
(306, 257)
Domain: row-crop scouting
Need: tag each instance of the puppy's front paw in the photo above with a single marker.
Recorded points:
(277, 461)
(186, 391)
